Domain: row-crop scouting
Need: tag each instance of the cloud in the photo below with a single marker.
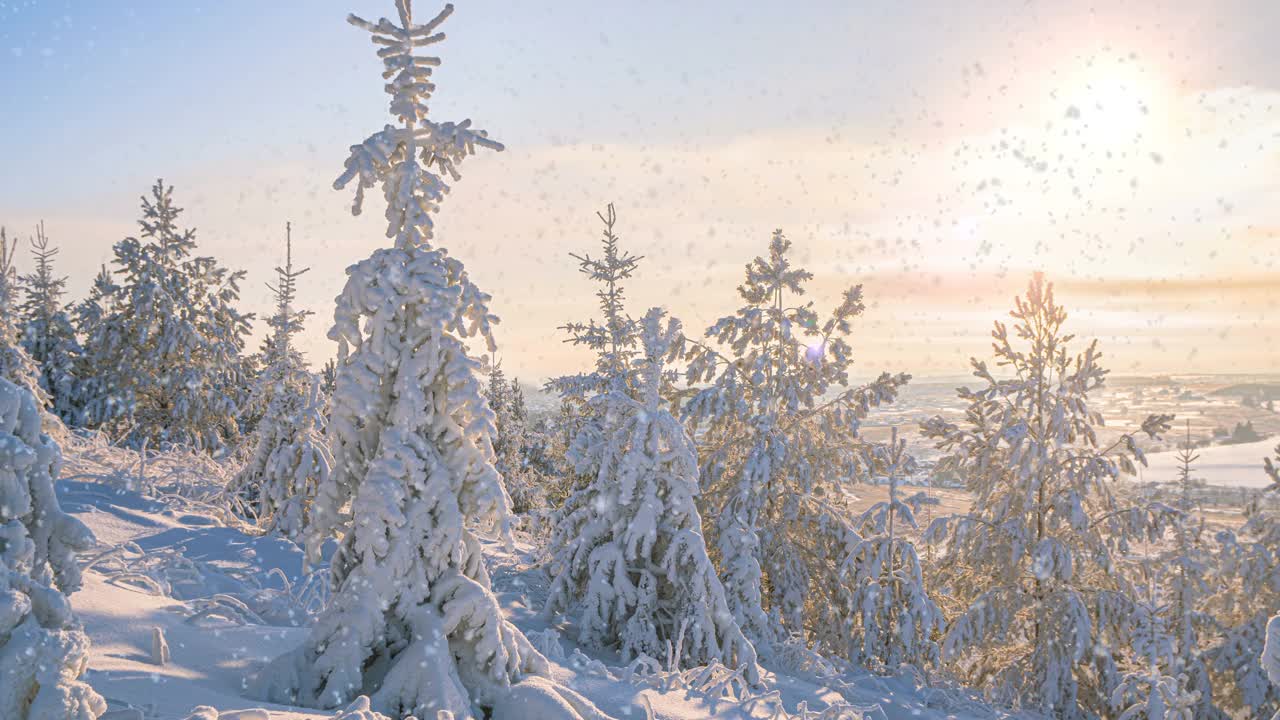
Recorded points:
(943, 227)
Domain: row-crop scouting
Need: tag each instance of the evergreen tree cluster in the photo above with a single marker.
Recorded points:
(702, 488)
(1058, 592)
(153, 355)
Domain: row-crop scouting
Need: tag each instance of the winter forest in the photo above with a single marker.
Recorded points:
(739, 506)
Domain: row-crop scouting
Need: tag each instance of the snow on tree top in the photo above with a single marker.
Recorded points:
(392, 155)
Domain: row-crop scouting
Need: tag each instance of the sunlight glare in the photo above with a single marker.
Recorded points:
(1111, 99)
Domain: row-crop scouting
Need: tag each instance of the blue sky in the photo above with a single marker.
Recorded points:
(169, 83)
(891, 139)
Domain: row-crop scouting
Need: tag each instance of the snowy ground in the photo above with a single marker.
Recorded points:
(1227, 465)
(1124, 402)
(227, 599)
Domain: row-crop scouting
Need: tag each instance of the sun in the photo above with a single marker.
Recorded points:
(1111, 99)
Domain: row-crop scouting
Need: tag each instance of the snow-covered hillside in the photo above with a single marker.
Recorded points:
(404, 536)
(1229, 465)
(226, 600)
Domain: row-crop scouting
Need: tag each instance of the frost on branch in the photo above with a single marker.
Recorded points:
(629, 557)
(779, 423)
(412, 623)
(43, 651)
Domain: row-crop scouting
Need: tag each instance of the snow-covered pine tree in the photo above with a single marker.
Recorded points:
(43, 650)
(283, 371)
(291, 457)
(87, 316)
(628, 556)
(15, 364)
(246, 396)
(509, 440)
(329, 377)
(1270, 659)
(537, 453)
(614, 337)
(278, 366)
(1248, 577)
(895, 620)
(100, 303)
(1187, 561)
(557, 433)
(519, 410)
(1153, 691)
(47, 333)
(167, 355)
(412, 622)
(1035, 560)
(291, 461)
(779, 425)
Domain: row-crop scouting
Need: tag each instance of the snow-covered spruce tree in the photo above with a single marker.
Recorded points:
(509, 443)
(167, 355)
(1187, 562)
(629, 557)
(329, 377)
(537, 453)
(894, 616)
(614, 337)
(87, 316)
(248, 401)
(1035, 560)
(15, 364)
(779, 428)
(89, 313)
(1153, 691)
(278, 366)
(291, 457)
(1248, 579)
(1270, 659)
(47, 333)
(556, 437)
(290, 462)
(519, 410)
(282, 380)
(412, 622)
(43, 650)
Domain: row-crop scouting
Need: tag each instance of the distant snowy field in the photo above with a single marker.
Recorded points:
(1229, 465)
(227, 600)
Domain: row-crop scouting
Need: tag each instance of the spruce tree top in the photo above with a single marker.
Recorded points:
(44, 289)
(402, 158)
